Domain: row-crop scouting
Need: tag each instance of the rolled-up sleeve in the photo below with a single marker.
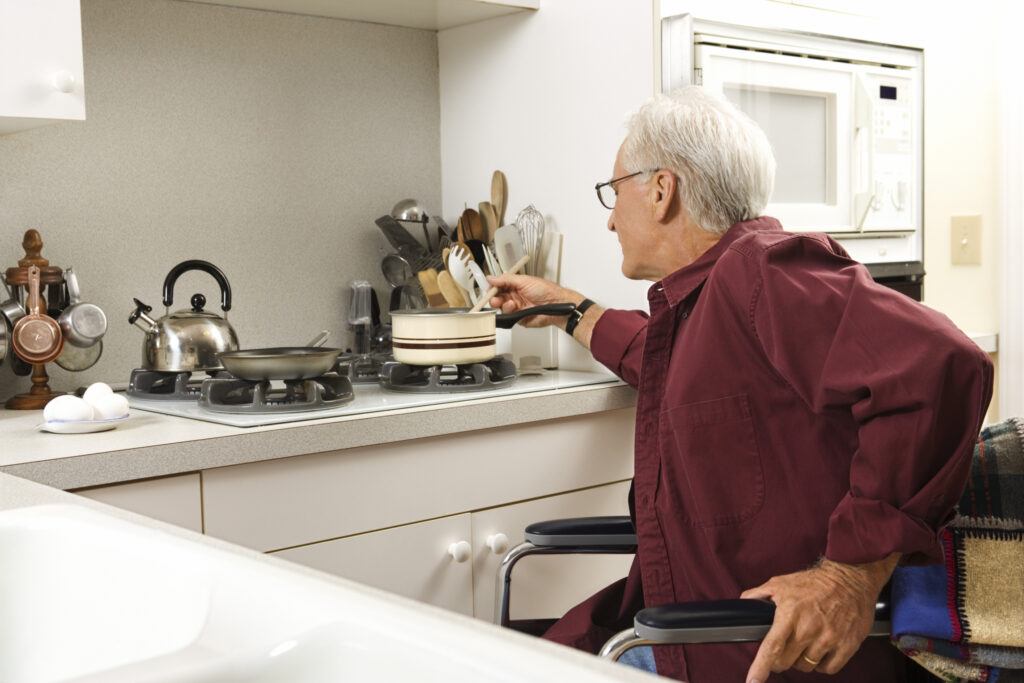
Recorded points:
(618, 343)
(916, 386)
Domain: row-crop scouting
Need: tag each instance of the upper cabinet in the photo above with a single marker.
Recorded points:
(425, 14)
(41, 76)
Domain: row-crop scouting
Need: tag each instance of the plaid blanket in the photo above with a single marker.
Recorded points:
(963, 620)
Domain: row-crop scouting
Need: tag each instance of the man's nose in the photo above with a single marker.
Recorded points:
(611, 221)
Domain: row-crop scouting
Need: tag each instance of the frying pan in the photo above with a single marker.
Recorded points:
(454, 336)
(36, 337)
(284, 363)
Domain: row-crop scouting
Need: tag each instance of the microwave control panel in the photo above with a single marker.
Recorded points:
(888, 170)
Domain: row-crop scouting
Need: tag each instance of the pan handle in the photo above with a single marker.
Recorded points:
(508, 320)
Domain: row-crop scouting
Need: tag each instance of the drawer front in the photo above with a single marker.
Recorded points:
(412, 561)
(175, 500)
(545, 586)
(294, 501)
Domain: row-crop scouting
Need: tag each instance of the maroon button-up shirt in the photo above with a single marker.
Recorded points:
(788, 408)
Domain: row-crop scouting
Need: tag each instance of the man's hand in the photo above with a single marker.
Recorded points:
(517, 292)
(822, 615)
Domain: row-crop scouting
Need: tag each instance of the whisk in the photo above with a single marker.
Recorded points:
(530, 223)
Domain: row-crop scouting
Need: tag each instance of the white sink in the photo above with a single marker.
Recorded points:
(86, 596)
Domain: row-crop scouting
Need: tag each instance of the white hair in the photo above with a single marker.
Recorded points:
(723, 159)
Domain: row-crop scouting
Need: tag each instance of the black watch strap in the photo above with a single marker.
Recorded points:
(577, 316)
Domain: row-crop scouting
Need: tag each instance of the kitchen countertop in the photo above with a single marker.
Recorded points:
(154, 445)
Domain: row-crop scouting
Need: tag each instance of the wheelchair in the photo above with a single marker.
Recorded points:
(715, 621)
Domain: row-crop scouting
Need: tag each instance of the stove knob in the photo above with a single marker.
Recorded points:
(460, 551)
(498, 543)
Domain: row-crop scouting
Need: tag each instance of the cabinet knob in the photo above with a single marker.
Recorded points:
(460, 551)
(498, 543)
(64, 81)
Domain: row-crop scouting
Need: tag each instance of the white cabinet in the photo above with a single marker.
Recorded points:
(41, 75)
(425, 14)
(412, 560)
(448, 563)
(175, 500)
(545, 586)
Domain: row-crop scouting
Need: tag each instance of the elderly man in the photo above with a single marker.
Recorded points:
(800, 429)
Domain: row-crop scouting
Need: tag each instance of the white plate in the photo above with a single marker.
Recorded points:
(80, 426)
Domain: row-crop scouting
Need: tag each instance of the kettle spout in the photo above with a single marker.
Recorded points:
(140, 319)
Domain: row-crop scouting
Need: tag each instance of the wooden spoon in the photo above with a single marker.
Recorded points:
(490, 221)
(472, 224)
(451, 292)
(499, 196)
(428, 280)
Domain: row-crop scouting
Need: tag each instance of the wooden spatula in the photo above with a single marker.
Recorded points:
(490, 221)
(499, 196)
(428, 280)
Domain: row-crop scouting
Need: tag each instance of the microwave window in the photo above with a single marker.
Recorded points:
(887, 92)
(797, 125)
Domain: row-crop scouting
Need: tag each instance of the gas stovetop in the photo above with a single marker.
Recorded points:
(370, 398)
(168, 386)
(230, 395)
(496, 373)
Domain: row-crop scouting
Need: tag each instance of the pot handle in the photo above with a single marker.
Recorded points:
(508, 320)
(206, 267)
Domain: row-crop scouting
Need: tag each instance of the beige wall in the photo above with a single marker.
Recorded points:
(264, 142)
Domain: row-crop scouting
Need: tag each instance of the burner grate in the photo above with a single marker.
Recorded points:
(239, 396)
(359, 368)
(442, 379)
(166, 386)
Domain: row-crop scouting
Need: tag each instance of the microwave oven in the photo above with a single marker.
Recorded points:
(845, 120)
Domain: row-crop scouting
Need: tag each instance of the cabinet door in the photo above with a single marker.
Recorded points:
(411, 560)
(41, 76)
(175, 500)
(545, 586)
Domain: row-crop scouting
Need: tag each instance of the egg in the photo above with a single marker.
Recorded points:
(67, 409)
(108, 407)
(95, 391)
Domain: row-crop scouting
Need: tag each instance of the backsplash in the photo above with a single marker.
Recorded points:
(263, 142)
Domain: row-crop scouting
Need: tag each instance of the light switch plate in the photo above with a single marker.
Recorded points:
(965, 240)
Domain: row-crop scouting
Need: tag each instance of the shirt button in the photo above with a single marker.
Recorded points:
(685, 315)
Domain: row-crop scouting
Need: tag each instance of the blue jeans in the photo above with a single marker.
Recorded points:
(640, 658)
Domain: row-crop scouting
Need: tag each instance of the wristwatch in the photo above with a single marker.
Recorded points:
(576, 316)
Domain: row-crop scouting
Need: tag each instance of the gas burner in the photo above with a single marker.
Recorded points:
(230, 395)
(442, 379)
(168, 386)
(360, 368)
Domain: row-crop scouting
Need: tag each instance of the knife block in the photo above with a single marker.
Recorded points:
(52, 278)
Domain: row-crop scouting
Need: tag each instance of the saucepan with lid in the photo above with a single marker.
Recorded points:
(455, 336)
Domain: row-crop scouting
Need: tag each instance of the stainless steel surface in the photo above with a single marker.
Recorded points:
(82, 323)
(186, 340)
(397, 271)
(409, 210)
(5, 337)
(620, 643)
(77, 358)
(284, 363)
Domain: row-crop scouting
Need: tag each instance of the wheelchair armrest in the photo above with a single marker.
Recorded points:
(721, 621)
(583, 532)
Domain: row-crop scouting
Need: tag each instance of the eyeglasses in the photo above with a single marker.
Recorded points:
(606, 193)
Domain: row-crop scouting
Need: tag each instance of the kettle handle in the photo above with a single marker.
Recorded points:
(206, 267)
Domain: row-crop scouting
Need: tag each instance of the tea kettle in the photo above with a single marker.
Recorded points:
(190, 339)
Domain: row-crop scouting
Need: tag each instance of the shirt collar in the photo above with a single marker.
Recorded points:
(680, 284)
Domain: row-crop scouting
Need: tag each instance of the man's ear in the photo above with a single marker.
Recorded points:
(664, 193)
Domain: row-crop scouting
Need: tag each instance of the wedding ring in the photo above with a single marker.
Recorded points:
(810, 661)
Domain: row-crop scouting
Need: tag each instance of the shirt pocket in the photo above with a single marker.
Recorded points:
(716, 467)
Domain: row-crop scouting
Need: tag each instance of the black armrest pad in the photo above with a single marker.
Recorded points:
(583, 531)
(719, 621)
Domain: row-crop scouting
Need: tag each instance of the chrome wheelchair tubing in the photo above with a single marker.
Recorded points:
(503, 586)
(620, 643)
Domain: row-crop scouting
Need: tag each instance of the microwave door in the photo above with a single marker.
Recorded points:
(805, 107)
